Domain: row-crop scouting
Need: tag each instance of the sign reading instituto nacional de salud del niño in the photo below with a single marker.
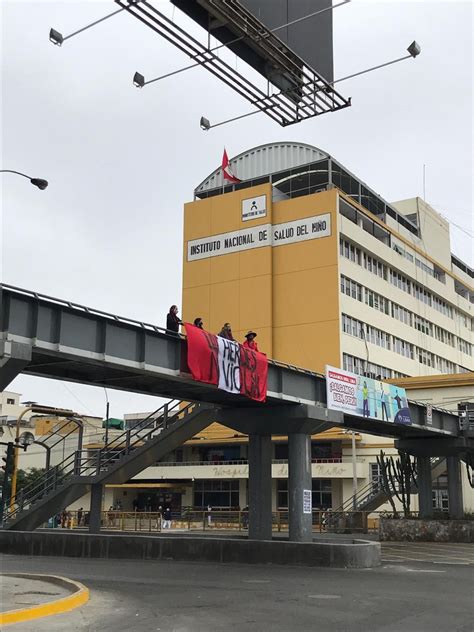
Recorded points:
(263, 235)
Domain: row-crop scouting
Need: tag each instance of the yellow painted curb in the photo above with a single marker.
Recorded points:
(78, 598)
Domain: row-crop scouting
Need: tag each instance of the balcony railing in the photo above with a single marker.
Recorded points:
(332, 460)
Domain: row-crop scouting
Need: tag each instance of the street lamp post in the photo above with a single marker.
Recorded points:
(36, 409)
(37, 182)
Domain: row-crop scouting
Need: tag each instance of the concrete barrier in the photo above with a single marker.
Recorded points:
(349, 554)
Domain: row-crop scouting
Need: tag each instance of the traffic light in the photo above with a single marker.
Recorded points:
(8, 459)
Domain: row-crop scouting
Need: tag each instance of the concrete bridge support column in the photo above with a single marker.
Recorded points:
(456, 510)
(95, 515)
(425, 488)
(299, 483)
(260, 486)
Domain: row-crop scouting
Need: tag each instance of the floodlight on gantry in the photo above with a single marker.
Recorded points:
(302, 92)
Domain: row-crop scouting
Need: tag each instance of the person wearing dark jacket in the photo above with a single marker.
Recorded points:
(172, 320)
(226, 332)
(198, 323)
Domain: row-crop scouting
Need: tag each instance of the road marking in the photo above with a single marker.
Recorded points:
(324, 596)
(455, 563)
(422, 570)
(404, 557)
(439, 546)
(400, 549)
(256, 581)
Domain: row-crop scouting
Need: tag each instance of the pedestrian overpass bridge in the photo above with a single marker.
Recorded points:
(57, 339)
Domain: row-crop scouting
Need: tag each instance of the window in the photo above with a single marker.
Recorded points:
(442, 307)
(352, 326)
(425, 357)
(350, 251)
(403, 347)
(372, 299)
(351, 288)
(401, 314)
(377, 337)
(464, 346)
(11, 401)
(421, 294)
(321, 493)
(216, 493)
(375, 266)
(400, 281)
(445, 366)
(369, 369)
(444, 336)
(422, 325)
(402, 252)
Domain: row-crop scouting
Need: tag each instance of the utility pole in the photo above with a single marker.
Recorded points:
(354, 471)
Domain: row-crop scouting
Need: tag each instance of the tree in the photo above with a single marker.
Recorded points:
(25, 478)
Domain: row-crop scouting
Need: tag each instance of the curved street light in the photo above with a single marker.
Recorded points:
(37, 182)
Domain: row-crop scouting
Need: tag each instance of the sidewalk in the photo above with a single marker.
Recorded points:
(25, 596)
(24, 592)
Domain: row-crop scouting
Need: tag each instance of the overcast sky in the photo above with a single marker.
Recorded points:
(121, 162)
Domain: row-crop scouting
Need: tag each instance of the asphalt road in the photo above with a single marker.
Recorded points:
(405, 596)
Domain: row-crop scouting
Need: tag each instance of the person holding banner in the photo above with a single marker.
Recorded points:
(249, 341)
(226, 332)
(198, 323)
(172, 320)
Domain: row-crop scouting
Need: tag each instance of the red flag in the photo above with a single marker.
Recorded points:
(253, 374)
(202, 354)
(226, 170)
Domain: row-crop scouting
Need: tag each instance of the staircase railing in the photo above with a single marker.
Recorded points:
(372, 489)
(92, 463)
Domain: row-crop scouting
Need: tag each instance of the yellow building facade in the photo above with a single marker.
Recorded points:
(286, 291)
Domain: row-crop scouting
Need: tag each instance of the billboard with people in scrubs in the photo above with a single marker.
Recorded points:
(365, 397)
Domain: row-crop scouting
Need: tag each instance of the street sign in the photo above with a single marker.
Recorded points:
(307, 505)
(429, 415)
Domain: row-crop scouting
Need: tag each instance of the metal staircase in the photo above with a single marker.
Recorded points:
(121, 459)
(371, 495)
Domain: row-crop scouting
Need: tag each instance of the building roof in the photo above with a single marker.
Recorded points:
(264, 160)
(434, 381)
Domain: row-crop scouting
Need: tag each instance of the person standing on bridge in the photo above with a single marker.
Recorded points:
(226, 332)
(249, 342)
(198, 323)
(172, 320)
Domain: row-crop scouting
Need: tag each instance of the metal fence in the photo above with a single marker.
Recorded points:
(201, 521)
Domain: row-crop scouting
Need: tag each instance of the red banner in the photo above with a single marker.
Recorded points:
(202, 354)
(230, 366)
(253, 374)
